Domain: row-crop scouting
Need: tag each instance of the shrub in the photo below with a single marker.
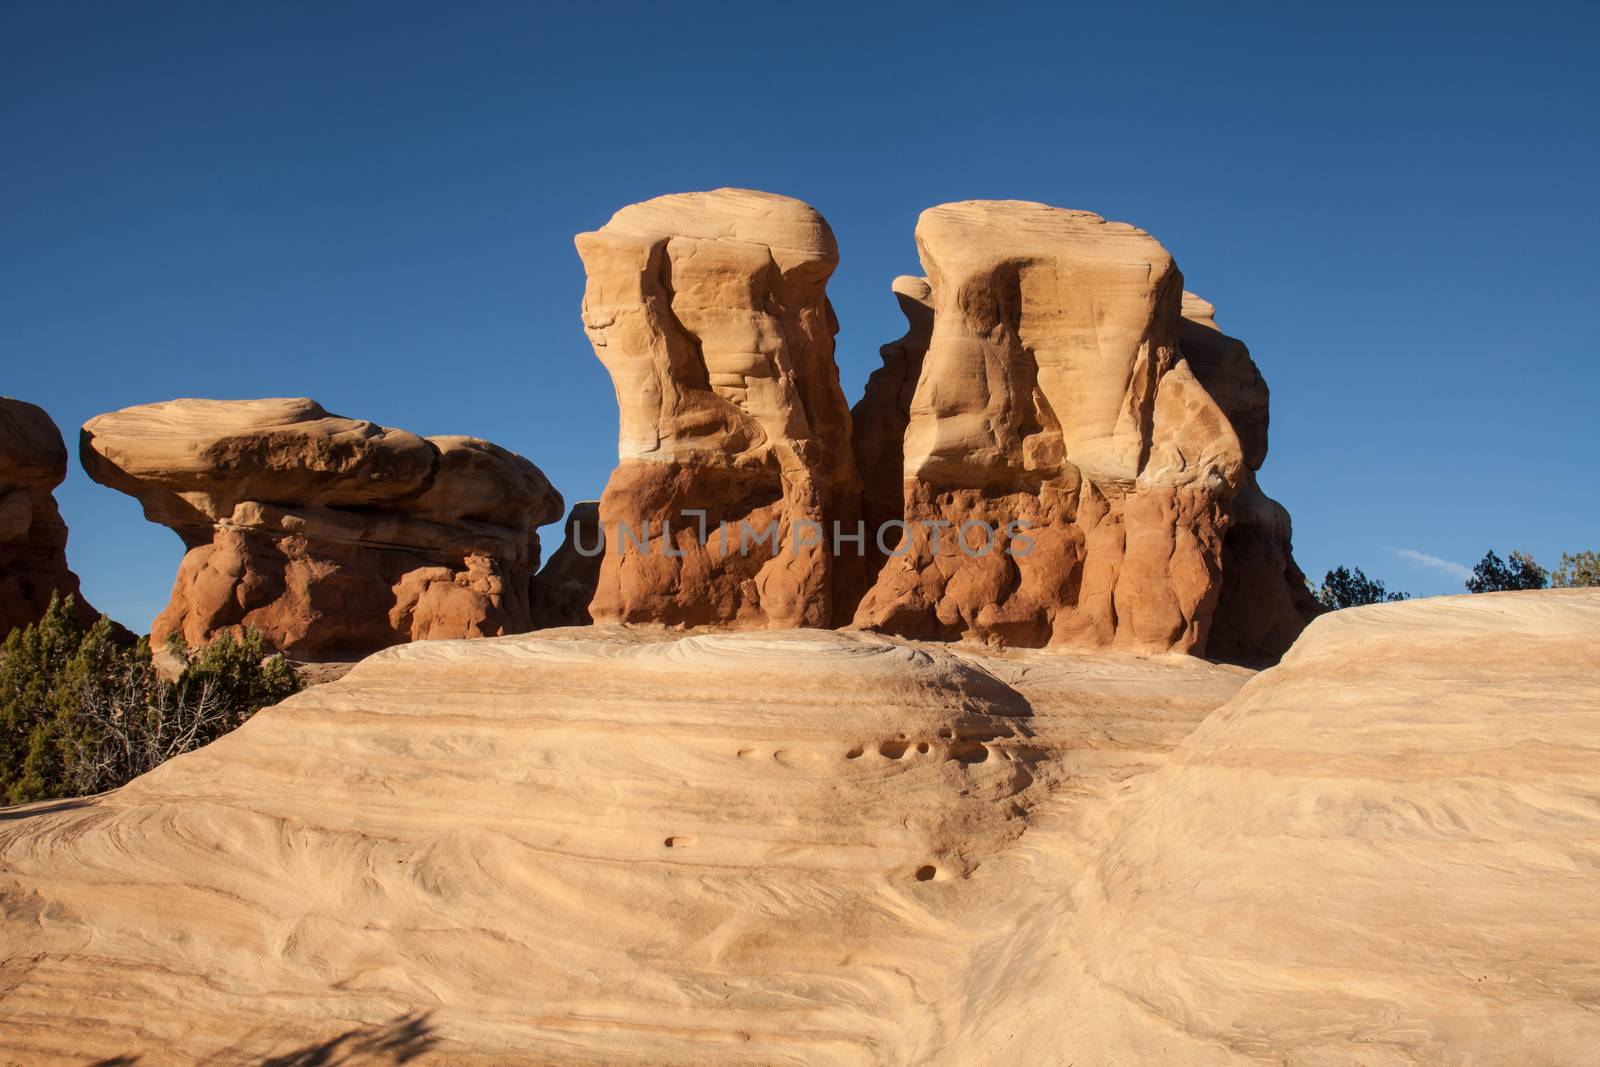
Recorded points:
(81, 713)
(1346, 588)
(1494, 575)
(1577, 571)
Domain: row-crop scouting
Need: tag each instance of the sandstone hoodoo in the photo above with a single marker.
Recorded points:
(710, 312)
(333, 536)
(879, 419)
(33, 539)
(1264, 602)
(566, 584)
(1068, 475)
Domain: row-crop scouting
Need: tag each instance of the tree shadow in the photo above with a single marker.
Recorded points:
(45, 807)
(400, 1040)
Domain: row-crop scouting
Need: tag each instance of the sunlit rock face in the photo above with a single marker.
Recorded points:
(621, 845)
(1382, 851)
(734, 847)
(332, 536)
(1056, 422)
(33, 539)
(710, 312)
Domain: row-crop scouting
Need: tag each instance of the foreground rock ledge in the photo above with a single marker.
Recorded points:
(332, 536)
(603, 847)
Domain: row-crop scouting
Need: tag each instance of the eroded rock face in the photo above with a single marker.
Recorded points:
(33, 539)
(1055, 408)
(333, 536)
(1264, 602)
(880, 417)
(709, 311)
(566, 584)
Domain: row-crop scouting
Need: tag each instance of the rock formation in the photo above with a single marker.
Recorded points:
(332, 536)
(566, 584)
(606, 846)
(1073, 390)
(33, 539)
(710, 312)
(1264, 602)
(880, 417)
(1066, 476)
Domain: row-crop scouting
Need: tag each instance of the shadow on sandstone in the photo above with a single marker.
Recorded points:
(400, 1040)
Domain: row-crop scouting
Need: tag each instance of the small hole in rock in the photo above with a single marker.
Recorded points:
(922, 747)
(678, 842)
(854, 753)
(968, 752)
(926, 873)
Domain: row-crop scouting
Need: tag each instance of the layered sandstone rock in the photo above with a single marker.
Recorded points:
(589, 846)
(1381, 852)
(33, 539)
(709, 311)
(332, 536)
(603, 846)
(1264, 602)
(1057, 424)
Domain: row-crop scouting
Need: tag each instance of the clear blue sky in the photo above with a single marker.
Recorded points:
(373, 204)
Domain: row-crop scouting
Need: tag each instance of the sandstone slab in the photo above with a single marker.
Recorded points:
(606, 845)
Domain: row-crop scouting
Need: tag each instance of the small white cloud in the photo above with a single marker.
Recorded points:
(1434, 563)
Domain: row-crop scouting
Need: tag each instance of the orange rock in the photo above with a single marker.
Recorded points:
(710, 312)
(1056, 423)
(333, 536)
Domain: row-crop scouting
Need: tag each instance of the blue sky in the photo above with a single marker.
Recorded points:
(373, 205)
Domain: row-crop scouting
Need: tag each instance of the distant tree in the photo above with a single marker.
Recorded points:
(82, 712)
(1578, 570)
(1343, 587)
(1494, 575)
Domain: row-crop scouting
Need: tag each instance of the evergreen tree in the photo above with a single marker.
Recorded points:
(81, 713)
(1343, 587)
(1578, 570)
(1494, 575)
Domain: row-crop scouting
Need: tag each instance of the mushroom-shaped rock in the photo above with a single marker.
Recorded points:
(33, 539)
(1066, 475)
(333, 536)
(710, 312)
